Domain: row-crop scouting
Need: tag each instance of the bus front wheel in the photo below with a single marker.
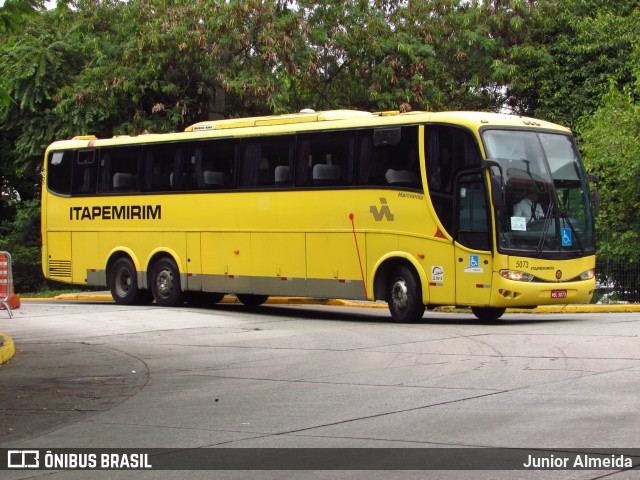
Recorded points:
(203, 299)
(252, 300)
(404, 297)
(488, 314)
(123, 282)
(165, 283)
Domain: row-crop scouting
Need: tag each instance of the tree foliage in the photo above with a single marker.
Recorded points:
(575, 51)
(612, 151)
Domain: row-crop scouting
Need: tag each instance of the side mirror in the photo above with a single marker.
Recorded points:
(497, 192)
(497, 184)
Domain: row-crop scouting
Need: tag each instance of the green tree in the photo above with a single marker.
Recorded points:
(574, 50)
(11, 14)
(611, 142)
(21, 238)
(13, 11)
(19, 171)
(152, 65)
(433, 54)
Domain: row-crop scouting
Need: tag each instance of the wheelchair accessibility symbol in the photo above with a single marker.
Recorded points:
(567, 241)
(474, 265)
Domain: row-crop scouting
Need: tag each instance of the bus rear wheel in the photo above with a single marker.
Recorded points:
(123, 282)
(252, 300)
(165, 283)
(488, 314)
(404, 297)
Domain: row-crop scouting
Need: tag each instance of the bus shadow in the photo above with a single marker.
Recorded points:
(382, 316)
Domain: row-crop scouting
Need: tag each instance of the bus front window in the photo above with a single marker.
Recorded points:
(547, 210)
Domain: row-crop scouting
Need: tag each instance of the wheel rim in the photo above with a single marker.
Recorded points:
(400, 294)
(165, 283)
(124, 281)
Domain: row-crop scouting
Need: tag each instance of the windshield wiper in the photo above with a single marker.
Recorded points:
(545, 229)
(563, 214)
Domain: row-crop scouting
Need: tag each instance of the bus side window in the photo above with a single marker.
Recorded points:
(389, 157)
(472, 213)
(373, 161)
(329, 161)
(155, 178)
(178, 174)
(448, 151)
(84, 173)
(164, 167)
(404, 164)
(213, 165)
(303, 161)
(120, 169)
(59, 170)
(267, 162)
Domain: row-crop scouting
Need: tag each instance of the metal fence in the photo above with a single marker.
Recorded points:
(617, 282)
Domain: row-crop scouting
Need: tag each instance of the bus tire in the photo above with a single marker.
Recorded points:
(165, 283)
(204, 299)
(123, 282)
(252, 300)
(404, 297)
(488, 314)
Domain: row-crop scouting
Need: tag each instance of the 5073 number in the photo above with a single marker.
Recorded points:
(522, 264)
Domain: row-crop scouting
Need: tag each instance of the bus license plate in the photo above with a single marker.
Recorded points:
(558, 294)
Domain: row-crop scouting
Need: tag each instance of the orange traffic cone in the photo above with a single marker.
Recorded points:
(14, 300)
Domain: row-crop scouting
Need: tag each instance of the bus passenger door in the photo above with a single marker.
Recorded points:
(472, 240)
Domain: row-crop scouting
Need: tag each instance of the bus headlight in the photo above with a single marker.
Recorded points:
(516, 275)
(588, 275)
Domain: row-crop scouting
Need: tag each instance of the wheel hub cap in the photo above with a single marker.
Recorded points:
(165, 283)
(399, 294)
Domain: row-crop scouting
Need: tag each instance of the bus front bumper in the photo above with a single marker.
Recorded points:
(510, 293)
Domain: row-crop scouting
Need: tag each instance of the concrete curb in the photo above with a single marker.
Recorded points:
(105, 297)
(590, 308)
(7, 348)
(603, 308)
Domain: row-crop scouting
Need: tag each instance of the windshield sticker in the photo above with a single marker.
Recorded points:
(518, 224)
(567, 241)
(474, 265)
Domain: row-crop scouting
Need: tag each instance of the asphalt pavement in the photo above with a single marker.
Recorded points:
(92, 374)
(7, 346)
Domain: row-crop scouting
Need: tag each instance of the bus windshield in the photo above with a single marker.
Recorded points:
(547, 210)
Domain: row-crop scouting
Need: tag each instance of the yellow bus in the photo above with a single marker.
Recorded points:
(419, 209)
